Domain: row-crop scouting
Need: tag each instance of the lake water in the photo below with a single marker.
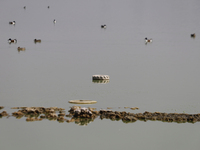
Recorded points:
(159, 76)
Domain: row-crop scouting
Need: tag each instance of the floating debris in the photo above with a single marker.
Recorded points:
(61, 114)
(61, 119)
(132, 117)
(109, 108)
(82, 101)
(31, 112)
(3, 114)
(100, 77)
(91, 109)
(134, 108)
(15, 107)
(126, 107)
(83, 115)
(33, 119)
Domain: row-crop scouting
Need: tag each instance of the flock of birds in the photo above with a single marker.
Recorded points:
(15, 40)
(35, 40)
(146, 40)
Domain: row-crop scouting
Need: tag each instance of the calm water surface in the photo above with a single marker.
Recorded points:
(160, 76)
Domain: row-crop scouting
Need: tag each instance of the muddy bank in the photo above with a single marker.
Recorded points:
(83, 116)
(39, 113)
(127, 117)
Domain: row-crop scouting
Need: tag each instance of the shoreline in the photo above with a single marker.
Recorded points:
(83, 115)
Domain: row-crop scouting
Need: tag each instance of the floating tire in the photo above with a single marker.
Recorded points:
(100, 77)
(82, 101)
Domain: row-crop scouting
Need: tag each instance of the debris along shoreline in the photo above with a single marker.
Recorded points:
(84, 115)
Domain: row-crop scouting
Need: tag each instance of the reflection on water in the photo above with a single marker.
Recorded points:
(81, 121)
(101, 81)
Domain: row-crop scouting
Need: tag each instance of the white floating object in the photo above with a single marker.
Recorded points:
(82, 101)
(100, 77)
